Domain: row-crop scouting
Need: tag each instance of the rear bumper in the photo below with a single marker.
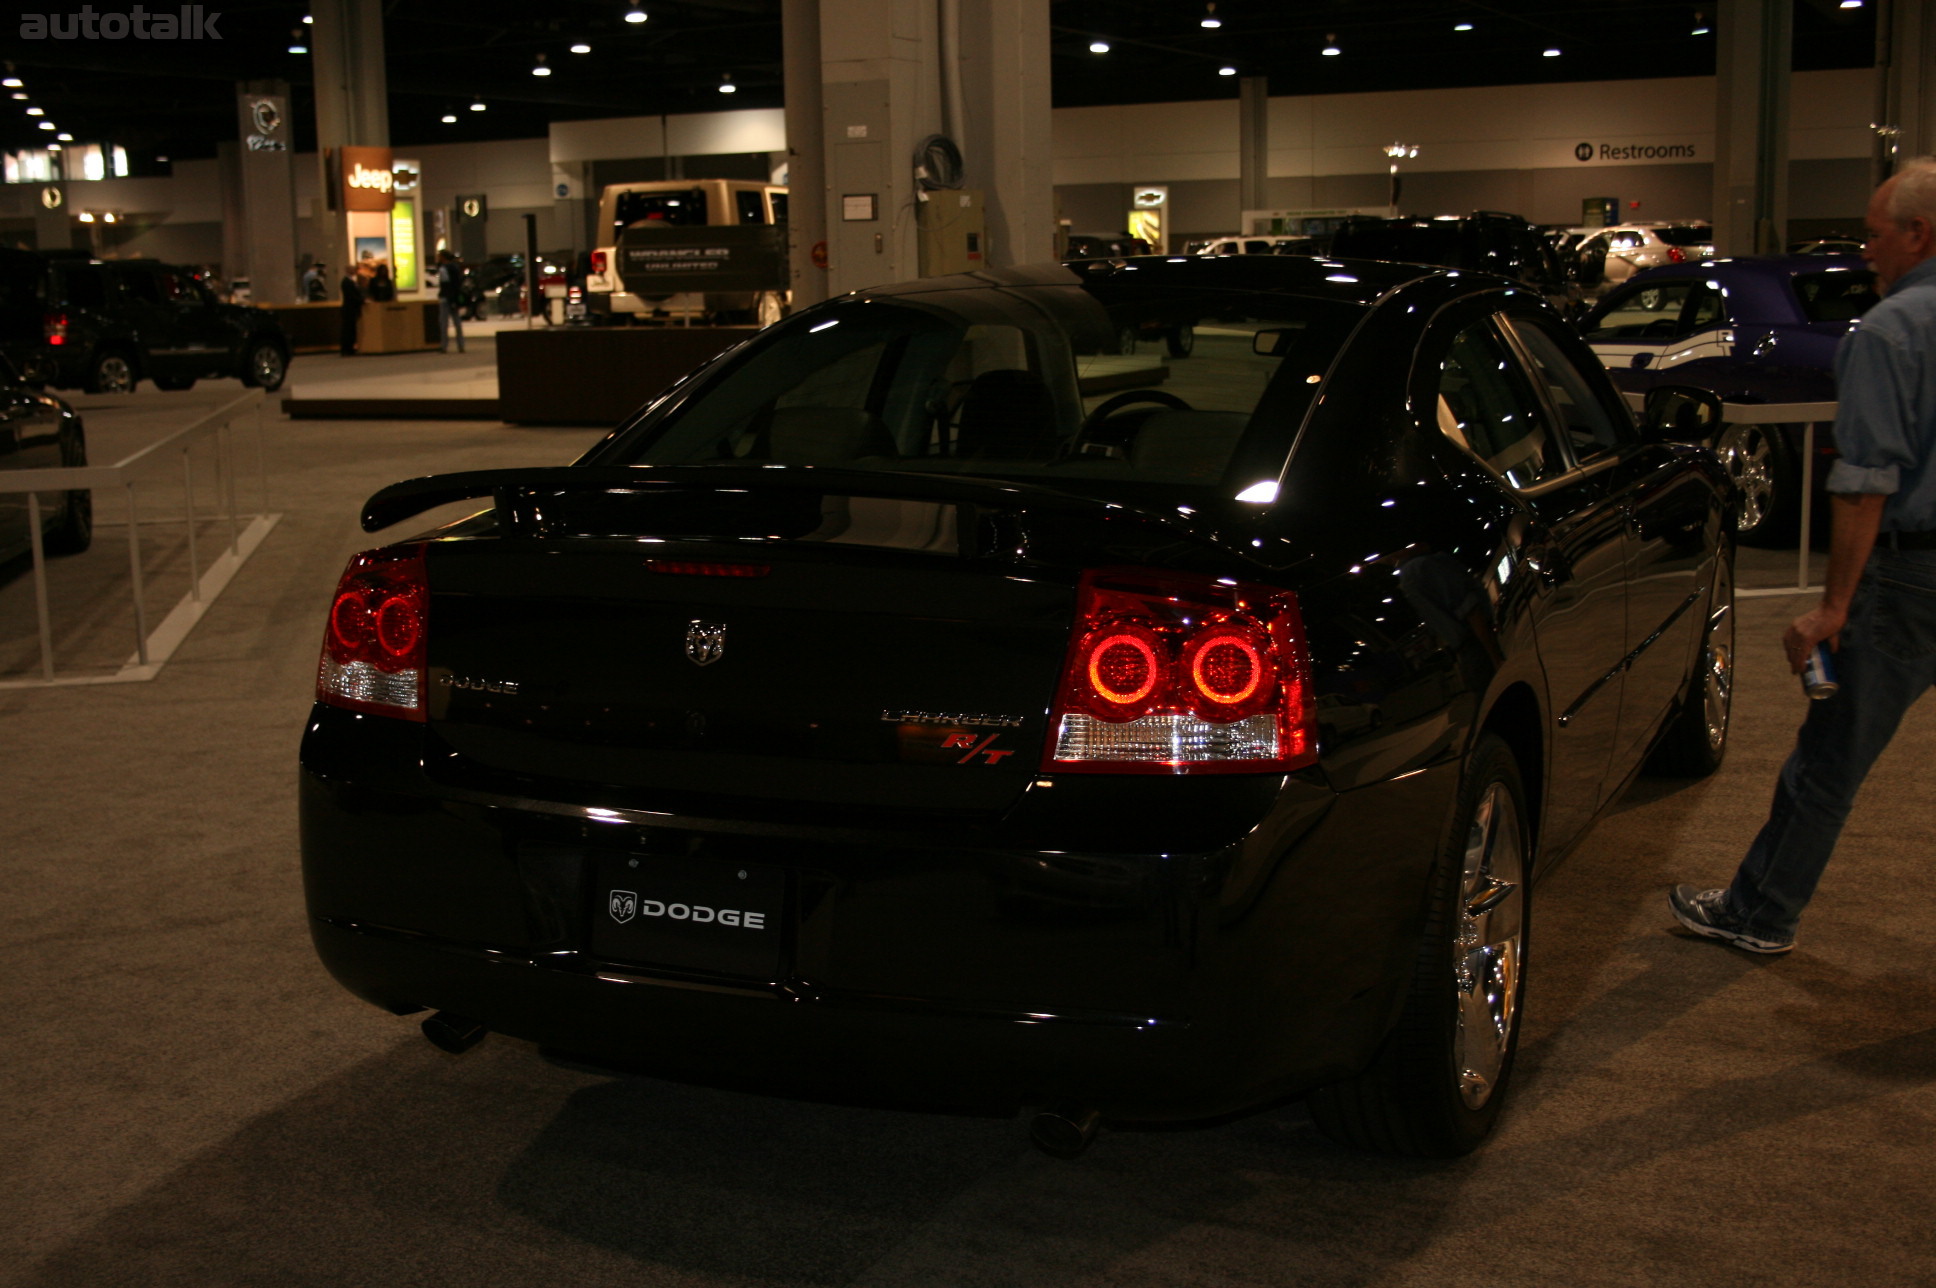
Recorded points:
(1001, 961)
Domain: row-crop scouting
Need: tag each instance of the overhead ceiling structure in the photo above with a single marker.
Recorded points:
(176, 99)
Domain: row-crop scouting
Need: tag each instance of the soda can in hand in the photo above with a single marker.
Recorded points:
(1818, 674)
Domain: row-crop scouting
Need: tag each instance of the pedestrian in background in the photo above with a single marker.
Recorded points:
(352, 308)
(450, 284)
(313, 288)
(1877, 613)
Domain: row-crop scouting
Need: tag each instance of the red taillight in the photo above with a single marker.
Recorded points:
(598, 261)
(54, 327)
(374, 647)
(1177, 674)
(1675, 255)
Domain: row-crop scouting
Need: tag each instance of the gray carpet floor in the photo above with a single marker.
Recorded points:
(188, 1099)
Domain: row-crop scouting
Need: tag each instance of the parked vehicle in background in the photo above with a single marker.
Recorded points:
(1826, 246)
(629, 210)
(1488, 241)
(75, 322)
(41, 432)
(1749, 330)
(1082, 246)
(1258, 244)
(899, 707)
(1610, 256)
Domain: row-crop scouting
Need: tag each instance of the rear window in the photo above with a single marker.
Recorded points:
(1048, 384)
(1686, 235)
(19, 281)
(1422, 243)
(752, 207)
(84, 287)
(1836, 295)
(685, 208)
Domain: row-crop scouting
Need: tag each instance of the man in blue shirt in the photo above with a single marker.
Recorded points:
(1877, 612)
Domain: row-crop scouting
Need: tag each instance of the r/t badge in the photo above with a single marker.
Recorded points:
(984, 747)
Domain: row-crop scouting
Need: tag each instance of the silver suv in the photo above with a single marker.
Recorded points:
(1612, 255)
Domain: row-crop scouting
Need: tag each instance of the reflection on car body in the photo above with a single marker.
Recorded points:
(1320, 646)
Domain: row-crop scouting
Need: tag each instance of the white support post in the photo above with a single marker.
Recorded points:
(40, 587)
(134, 578)
(188, 501)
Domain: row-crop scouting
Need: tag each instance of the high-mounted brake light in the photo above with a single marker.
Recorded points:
(375, 645)
(694, 568)
(1171, 673)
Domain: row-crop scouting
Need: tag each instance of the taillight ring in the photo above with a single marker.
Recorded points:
(1126, 666)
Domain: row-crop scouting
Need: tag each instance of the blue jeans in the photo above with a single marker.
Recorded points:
(448, 320)
(1887, 661)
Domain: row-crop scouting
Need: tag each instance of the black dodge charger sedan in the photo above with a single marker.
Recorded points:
(925, 699)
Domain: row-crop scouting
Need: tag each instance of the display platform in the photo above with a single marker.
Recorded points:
(394, 326)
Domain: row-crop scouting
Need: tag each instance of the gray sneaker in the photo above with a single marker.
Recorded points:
(1705, 912)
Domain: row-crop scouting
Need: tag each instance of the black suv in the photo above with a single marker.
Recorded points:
(1488, 241)
(102, 325)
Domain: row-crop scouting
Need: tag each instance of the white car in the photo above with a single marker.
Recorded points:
(1612, 255)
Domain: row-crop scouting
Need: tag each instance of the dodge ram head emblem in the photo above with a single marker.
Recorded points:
(705, 642)
(622, 905)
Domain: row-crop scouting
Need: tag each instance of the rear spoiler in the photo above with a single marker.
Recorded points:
(400, 501)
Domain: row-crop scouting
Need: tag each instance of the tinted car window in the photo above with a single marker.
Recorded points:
(1486, 407)
(1685, 235)
(142, 286)
(1836, 295)
(680, 209)
(83, 286)
(1421, 243)
(752, 207)
(1591, 426)
(1008, 383)
(779, 200)
(19, 282)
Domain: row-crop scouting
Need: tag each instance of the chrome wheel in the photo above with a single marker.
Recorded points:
(113, 374)
(1748, 453)
(266, 366)
(1488, 944)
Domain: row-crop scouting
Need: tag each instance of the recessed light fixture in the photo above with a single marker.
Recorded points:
(48, 125)
(53, 147)
(20, 95)
(308, 21)
(726, 85)
(1851, 4)
(635, 14)
(477, 105)
(36, 111)
(1098, 46)
(581, 48)
(161, 160)
(1550, 53)
(65, 138)
(1462, 26)
(298, 48)
(1226, 70)
(449, 118)
(1210, 18)
(540, 69)
(1331, 49)
(13, 82)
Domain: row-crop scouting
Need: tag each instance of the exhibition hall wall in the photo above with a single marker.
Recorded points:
(1537, 150)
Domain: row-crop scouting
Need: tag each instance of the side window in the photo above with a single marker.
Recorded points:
(1643, 311)
(141, 286)
(778, 201)
(83, 287)
(175, 289)
(752, 207)
(1487, 406)
(1706, 309)
(1626, 241)
(1592, 426)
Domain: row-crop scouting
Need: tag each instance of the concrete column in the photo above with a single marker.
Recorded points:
(806, 149)
(1905, 121)
(1752, 60)
(261, 243)
(1004, 130)
(53, 222)
(352, 98)
(880, 97)
(1253, 142)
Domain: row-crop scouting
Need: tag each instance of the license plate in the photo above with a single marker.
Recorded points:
(723, 918)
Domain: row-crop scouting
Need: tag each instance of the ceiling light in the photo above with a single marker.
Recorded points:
(87, 216)
(449, 118)
(36, 111)
(1098, 46)
(161, 160)
(477, 105)
(53, 147)
(541, 69)
(1210, 18)
(13, 82)
(1550, 53)
(581, 48)
(726, 85)
(20, 96)
(1331, 49)
(65, 138)
(1226, 70)
(298, 48)
(635, 14)
(1702, 31)
(108, 217)
(308, 21)
(1462, 26)
(1851, 4)
(47, 125)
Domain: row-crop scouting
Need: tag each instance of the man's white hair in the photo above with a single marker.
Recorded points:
(1914, 196)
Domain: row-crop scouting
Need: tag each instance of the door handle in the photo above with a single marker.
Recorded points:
(1643, 359)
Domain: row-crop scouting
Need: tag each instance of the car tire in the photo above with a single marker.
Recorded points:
(174, 383)
(111, 371)
(1761, 461)
(1437, 1083)
(265, 365)
(1696, 739)
(1181, 341)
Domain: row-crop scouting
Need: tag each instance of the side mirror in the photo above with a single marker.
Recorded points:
(1275, 342)
(1681, 415)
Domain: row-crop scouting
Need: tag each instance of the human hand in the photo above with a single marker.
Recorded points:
(1819, 624)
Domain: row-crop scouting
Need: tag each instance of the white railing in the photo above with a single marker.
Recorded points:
(153, 648)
